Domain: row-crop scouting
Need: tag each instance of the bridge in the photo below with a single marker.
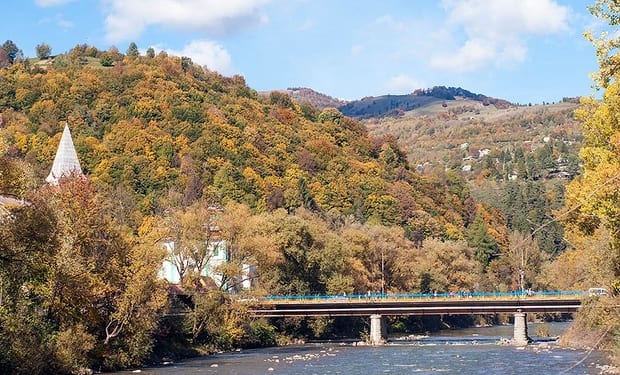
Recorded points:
(378, 306)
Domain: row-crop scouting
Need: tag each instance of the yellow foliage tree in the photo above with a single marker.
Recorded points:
(592, 198)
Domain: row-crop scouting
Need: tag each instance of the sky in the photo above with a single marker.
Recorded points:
(524, 51)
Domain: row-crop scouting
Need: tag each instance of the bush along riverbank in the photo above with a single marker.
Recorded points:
(174, 339)
(596, 327)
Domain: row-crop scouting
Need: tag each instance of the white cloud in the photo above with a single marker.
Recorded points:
(64, 24)
(51, 3)
(389, 22)
(208, 53)
(475, 54)
(127, 19)
(357, 49)
(508, 17)
(306, 25)
(497, 31)
(402, 84)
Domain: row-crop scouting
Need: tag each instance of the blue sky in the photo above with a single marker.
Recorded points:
(525, 51)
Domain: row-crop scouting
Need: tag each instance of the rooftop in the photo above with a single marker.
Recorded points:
(66, 160)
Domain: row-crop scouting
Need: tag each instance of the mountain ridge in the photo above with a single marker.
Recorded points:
(395, 105)
(388, 105)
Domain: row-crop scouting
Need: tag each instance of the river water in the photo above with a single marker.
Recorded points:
(469, 351)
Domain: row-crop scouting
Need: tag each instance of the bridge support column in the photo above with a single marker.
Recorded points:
(520, 337)
(378, 330)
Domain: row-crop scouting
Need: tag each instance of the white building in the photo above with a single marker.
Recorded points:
(217, 255)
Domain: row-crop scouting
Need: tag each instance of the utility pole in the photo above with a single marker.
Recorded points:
(382, 273)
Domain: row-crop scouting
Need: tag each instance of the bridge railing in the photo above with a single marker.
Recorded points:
(421, 296)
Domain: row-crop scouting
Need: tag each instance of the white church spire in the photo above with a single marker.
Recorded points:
(66, 160)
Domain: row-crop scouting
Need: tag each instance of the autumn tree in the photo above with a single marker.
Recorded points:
(378, 251)
(43, 50)
(485, 247)
(591, 198)
(27, 252)
(106, 59)
(585, 264)
(101, 279)
(330, 114)
(193, 240)
(11, 50)
(520, 266)
(215, 319)
(132, 50)
(233, 222)
(79, 280)
(445, 267)
(16, 176)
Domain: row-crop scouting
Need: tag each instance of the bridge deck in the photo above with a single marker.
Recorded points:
(419, 307)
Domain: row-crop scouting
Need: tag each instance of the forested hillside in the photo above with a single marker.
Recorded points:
(306, 96)
(161, 127)
(463, 132)
(396, 105)
(307, 196)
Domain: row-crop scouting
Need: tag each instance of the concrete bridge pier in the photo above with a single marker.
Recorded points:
(520, 337)
(378, 330)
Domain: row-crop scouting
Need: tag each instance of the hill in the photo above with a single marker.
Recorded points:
(316, 99)
(159, 133)
(517, 159)
(387, 105)
(452, 128)
(163, 132)
(396, 105)
(452, 134)
(306, 96)
(167, 132)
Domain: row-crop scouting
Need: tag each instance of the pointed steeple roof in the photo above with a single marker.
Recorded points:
(66, 160)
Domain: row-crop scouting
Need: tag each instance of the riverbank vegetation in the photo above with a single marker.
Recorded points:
(592, 208)
(308, 197)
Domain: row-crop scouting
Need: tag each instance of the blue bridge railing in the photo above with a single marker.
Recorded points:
(429, 296)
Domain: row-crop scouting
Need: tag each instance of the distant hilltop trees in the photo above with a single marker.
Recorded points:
(451, 93)
(574, 99)
(9, 53)
(393, 105)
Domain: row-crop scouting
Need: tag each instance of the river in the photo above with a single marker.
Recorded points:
(468, 351)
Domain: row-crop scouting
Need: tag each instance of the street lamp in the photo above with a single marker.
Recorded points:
(521, 274)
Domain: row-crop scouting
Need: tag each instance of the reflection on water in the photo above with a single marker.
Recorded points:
(471, 351)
